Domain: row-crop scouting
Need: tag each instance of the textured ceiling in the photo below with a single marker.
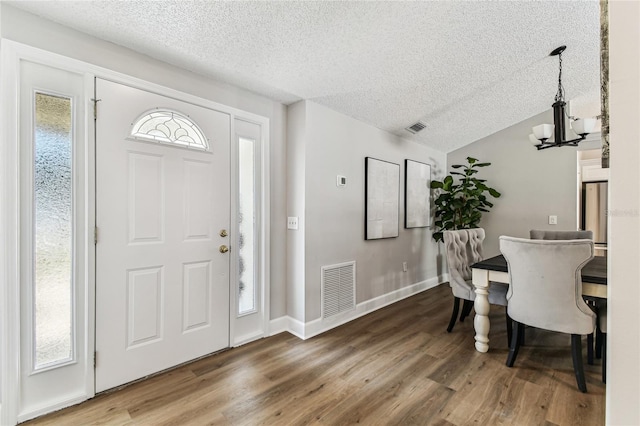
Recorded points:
(467, 69)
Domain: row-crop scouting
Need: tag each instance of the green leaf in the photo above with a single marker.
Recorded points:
(457, 166)
(436, 184)
(448, 183)
(494, 193)
(482, 164)
(471, 160)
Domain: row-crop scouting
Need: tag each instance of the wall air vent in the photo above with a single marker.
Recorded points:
(338, 288)
(416, 127)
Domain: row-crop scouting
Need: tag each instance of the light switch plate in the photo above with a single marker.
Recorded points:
(553, 220)
(292, 222)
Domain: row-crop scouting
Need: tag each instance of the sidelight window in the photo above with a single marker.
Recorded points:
(247, 225)
(53, 230)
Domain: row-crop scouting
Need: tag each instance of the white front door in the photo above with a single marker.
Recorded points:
(162, 217)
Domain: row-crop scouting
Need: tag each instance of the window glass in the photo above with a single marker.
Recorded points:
(169, 127)
(53, 230)
(246, 219)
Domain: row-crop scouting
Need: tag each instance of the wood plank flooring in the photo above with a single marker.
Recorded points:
(397, 365)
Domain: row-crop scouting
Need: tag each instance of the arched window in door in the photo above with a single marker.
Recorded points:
(169, 127)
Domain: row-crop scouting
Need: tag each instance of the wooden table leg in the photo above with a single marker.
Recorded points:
(481, 305)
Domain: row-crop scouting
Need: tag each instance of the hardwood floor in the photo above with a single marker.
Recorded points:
(397, 365)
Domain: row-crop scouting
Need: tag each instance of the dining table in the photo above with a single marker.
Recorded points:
(594, 285)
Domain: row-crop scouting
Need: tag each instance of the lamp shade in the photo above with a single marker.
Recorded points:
(533, 140)
(583, 126)
(543, 131)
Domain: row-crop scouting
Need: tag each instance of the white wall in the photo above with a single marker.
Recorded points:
(623, 339)
(534, 184)
(333, 224)
(296, 165)
(31, 30)
(2, 268)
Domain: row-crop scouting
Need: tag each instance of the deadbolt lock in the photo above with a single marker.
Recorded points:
(223, 249)
(223, 233)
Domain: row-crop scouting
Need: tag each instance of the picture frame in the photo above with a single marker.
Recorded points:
(382, 194)
(417, 194)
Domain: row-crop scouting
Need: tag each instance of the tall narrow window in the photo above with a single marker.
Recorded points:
(53, 230)
(246, 219)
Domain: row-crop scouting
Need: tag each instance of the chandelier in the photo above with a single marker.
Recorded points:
(543, 132)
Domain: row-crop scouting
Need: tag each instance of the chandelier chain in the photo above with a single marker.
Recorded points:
(560, 94)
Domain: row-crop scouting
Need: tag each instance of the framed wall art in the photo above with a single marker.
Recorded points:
(382, 193)
(417, 194)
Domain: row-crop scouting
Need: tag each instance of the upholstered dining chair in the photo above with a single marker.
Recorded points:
(463, 248)
(546, 292)
(538, 234)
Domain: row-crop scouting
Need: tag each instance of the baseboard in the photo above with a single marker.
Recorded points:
(313, 328)
(279, 325)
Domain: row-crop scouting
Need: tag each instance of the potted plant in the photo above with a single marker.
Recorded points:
(462, 198)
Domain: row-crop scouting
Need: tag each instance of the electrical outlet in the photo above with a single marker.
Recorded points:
(404, 266)
(292, 222)
(553, 220)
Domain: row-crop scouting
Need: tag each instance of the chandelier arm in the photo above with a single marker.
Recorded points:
(573, 142)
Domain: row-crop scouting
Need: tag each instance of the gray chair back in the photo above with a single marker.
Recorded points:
(463, 248)
(546, 285)
(538, 234)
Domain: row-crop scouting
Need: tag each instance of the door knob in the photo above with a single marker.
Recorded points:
(223, 249)
(223, 233)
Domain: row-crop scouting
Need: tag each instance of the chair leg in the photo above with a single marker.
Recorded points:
(604, 358)
(578, 368)
(515, 344)
(454, 314)
(466, 309)
(521, 336)
(509, 327)
(599, 348)
(590, 349)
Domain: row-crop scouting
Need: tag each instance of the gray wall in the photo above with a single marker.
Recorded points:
(31, 30)
(333, 224)
(534, 184)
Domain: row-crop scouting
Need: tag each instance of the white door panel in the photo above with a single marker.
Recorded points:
(162, 283)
